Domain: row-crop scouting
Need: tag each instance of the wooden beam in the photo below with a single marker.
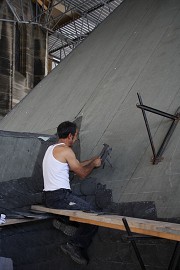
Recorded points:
(160, 229)
(13, 221)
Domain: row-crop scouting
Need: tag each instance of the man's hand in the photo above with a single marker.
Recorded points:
(97, 162)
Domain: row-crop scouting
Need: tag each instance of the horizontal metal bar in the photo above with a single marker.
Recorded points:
(7, 20)
(138, 237)
(149, 109)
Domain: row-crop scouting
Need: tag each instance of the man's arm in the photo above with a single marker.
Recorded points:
(81, 170)
(87, 162)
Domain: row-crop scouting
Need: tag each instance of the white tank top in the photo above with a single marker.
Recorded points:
(55, 173)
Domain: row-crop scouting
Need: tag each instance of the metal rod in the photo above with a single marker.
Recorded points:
(12, 9)
(6, 20)
(134, 244)
(22, 9)
(35, 18)
(173, 258)
(51, 3)
(149, 109)
(166, 139)
(168, 135)
(147, 127)
(137, 237)
(80, 11)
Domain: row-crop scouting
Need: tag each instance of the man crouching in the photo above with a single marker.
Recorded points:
(58, 160)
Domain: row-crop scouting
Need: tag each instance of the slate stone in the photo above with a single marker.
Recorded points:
(92, 200)
(88, 186)
(19, 193)
(143, 209)
(76, 188)
(103, 196)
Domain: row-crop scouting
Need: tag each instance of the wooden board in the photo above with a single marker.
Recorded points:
(160, 229)
(16, 221)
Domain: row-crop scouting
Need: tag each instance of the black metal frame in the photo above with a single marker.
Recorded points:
(174, 258)
(157, 157)
(138, 255)
(130, 237)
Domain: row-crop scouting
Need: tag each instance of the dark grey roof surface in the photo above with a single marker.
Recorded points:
(136, 49)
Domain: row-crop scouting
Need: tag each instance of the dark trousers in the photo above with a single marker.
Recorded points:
(65, 199)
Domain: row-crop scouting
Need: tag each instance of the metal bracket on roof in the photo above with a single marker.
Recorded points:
(157, 157)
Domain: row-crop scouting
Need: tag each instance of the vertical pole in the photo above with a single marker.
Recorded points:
(173, 259)
(12, 67)
(134, 244)
(148, 129)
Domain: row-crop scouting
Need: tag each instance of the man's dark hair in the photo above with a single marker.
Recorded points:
(66, 128)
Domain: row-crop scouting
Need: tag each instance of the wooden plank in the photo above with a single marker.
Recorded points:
(169, 235)
(58, 211)
(160, 229)
(17, 221)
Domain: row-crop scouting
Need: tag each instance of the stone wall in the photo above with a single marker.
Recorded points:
(22, 57)
(6, 62)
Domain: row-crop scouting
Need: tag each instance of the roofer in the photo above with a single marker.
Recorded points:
(57, 162)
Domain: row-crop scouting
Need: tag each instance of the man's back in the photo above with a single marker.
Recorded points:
(55, 172)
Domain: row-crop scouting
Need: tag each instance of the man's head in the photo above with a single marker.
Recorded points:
(67, 130)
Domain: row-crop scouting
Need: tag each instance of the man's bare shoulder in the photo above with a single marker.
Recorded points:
(63, 150)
